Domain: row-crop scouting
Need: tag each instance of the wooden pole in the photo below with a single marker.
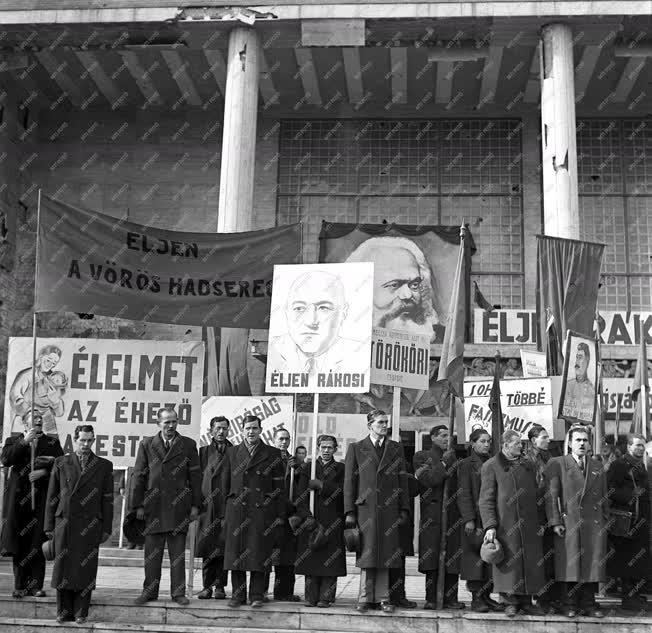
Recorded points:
(396, 414)
(617, 427)
(441, 573)
(123, 511)
(313, 464)
(294, 435)
(34, 323)
(645, 410)
(192, 538)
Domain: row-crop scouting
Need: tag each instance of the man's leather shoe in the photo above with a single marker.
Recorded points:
(310, 603)
(570, 613)
(205, 594)
(404, 603)
(181, 600)
(387, 607)
(234, 603)
(533, 609)
(511, 611)
(323, 604)
(61, 618)
(287, 599)
(19, 594)
(144, 598)
(80, 620)
(478, 605)
(220, 594)
(430, 606)
(454, 605)
(39, 593)
(595, 612)
(362, 607)
(256, 604)
(495, 606)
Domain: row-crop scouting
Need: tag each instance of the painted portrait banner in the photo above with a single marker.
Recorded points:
(579, 384)
(320, 329)
(400, 359)
(274, 411)
(115, 385)
(93, 263)
(524, 402)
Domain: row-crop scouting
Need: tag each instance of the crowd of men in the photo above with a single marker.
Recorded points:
(539, 531)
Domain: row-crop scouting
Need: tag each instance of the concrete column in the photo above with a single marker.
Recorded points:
(560, 197)
(235, 211)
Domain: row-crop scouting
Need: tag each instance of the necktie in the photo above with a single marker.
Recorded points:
(167, 445)
(581, 463)
(379, 448)
(84, 462)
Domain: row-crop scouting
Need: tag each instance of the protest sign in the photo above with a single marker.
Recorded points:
(115, 385)
(533, 363)
(274, 411)
(93, 263)
(579, 385)
(400, 359)
(524, 402)
(320, 329)
(346, 427)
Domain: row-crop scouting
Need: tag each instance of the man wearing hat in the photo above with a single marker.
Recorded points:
(167, 494)
(78, 517)
(509, 513)
(22, 529)
(578, 508)
(376, 500)
(213, 461)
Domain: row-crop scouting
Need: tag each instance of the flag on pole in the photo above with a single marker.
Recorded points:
(640, 389)
(451, 365)
(480, 299)
(496, 408)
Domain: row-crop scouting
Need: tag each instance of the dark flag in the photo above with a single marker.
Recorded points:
(640, 390)
(568, 276)
(480, 299)
(496, 408)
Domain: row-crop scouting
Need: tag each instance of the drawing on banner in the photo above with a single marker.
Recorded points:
(320, 328)
(577, 401)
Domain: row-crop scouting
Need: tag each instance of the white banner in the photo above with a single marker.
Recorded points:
(346, 427)
(524, 402)
(116, 385)
(534, 364)
(519, 326)
(400, 359)
(274, 411)
(320, 329)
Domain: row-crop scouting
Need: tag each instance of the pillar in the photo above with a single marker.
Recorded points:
(239, 135)
(560, 195)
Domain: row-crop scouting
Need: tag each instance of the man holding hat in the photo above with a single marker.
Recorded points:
(376, 500)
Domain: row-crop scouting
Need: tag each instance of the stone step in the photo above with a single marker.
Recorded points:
(115, 613)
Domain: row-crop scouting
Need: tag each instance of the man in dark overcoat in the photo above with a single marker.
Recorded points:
(213, 461)
(432, 469)
(628, 483)
(79, 516)
(255, 512)
(376, 500)
(509, 513)
(321, 560)
(167, 494)
(22, 527)
(578, 511)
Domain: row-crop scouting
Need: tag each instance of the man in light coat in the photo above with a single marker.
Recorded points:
(578, 511)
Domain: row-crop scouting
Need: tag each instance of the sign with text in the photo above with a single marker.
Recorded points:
(534, 364)
(524, 402)
(116, 385)
(400, 359)
(519, 326)
(346, 427)
(274, 411)
(320, 329)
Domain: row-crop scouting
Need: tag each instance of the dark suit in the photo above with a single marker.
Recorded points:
(22, 528)
(255, 514)
(210, 535)
(166, 485)
(79, 510)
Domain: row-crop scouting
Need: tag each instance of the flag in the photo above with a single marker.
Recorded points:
(480, 299)
(451, 364)
(211, 338)
(640, 389)
(568, 277)
(496, 408)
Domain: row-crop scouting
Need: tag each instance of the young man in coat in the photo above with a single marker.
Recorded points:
(167, 494)
(22, 530)
(255, 512)
(213, 461)
(79, 516)
(321, 562)
(376, 501)
(628, 483)
(509, 513)
(432, 468)
(578, 510)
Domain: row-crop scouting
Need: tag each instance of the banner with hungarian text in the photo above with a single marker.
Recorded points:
(93, 263)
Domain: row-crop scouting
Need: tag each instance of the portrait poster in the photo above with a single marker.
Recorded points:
(524, 402)
(117, 386)
(274, 412)
(579, 384)
(320, 329)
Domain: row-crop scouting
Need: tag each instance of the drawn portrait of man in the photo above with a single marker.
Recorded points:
(403, 284)
(579, 392)
(49, 387)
